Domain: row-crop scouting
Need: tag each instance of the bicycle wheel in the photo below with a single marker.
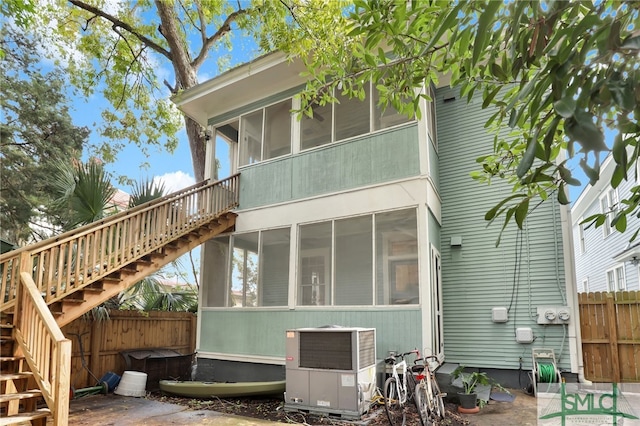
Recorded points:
(438, 410)
(422, 404)
(392, 405)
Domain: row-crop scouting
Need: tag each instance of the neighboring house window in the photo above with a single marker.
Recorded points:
(339, 260)
(259, 269)
(609, 206)
(346, 118)
(585, 285)
(265, 133)
(583, 246)
(615, 279)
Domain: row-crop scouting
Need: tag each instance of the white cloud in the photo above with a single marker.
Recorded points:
(175, 181)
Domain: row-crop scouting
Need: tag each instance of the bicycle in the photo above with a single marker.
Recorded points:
(427, 395)
(397, 388)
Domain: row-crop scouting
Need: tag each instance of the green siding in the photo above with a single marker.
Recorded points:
(377, 158)
(262, 332)
(479, 276)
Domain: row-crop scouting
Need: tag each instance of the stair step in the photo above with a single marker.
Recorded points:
(32, 393)
(10, 358)
(25, 417)
(15, 376)
(73, 300)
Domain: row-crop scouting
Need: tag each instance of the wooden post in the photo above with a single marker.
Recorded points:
(613, 338)
(96, 348)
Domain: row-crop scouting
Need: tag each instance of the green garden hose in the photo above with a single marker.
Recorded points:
(547, 372)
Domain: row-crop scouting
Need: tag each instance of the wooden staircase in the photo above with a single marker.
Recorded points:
(49, 284)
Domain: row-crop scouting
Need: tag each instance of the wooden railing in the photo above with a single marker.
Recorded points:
(44, 347)
(60, 266)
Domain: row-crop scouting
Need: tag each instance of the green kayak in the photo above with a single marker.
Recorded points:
(209, 389)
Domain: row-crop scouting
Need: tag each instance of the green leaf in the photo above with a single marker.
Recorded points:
(491, 214)
(486, 19)
(583, 130)
(448, 22)
(521, 212)
(488, 98)
(619, 151)
(618, 176)
(562, 194)
(631, 42)
(565, 107)
(528, 157)
(620, 222)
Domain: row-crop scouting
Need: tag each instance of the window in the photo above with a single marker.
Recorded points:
(347, 118)
(340, 264)
(585, 285)
(609, 206)
(257, 273)
(397, 258)
(314, 276)
(615, 279)
(583, 246)
(266, 133)
(354, 261)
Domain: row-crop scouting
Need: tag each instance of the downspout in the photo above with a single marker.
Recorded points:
(572, 288)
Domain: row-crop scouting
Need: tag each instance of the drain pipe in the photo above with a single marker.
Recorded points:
(572, 290)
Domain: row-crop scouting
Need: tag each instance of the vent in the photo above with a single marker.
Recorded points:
(327, 351)
(367, 343)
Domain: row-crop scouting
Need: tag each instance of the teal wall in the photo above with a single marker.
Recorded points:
(479, 276)
(262, 332)
(381, 157)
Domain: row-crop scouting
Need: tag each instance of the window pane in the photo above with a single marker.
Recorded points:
(216, 267)
(314, 265)
(620, 278)
(352, 116)
(316, 131)
(397, 258)
(611, 282)
(251, 138)
(388, 117)
(244, 278)
(431, 117)
(277, 130)
(274, 267)
(354, 263)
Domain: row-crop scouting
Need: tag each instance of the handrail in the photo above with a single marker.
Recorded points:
(44, 347)
(70, 261)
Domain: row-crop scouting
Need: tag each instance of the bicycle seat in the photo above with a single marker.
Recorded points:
(417, 368)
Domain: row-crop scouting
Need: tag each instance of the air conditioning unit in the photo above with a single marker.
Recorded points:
(330, 370)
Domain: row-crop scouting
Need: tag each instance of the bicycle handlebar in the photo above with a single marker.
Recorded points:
(391, 359)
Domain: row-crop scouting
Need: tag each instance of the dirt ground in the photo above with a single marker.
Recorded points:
(272, 409)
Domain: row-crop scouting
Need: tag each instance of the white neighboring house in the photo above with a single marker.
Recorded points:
(605, 259)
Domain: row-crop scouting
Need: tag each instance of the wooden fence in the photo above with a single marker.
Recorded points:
(102, 341)
(610, 324)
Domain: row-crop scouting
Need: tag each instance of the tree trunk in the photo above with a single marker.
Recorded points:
(186, 78)
(197, 146)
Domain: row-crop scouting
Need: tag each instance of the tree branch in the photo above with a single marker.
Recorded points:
(118, 23)
(208, 42)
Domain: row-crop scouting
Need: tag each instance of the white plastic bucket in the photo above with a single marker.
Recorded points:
(132, 383)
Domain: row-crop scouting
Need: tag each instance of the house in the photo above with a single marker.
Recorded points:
(362, 217)
(606, 260)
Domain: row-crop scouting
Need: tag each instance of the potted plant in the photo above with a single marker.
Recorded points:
(468, 397)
